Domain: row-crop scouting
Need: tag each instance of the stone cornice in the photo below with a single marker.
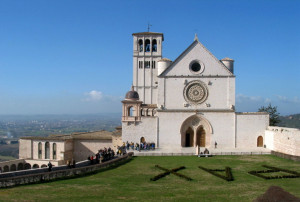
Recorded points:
(196, 110)
(197, 76)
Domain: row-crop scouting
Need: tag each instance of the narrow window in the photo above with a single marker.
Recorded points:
(153, 64)
(54, 151)
(147, 64)
(147, 45)
(47, 150)
(154, 45)
(141, 45)
(40, 150)
(140, 64)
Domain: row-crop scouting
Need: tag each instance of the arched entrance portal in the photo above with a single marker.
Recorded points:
(189, 138)
(200, 137)
(196, 131)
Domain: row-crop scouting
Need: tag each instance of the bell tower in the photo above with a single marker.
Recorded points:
(147, 51)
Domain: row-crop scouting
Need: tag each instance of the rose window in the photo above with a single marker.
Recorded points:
(195, 92)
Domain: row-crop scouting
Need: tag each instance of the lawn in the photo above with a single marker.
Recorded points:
(131, 181)
(6, 158)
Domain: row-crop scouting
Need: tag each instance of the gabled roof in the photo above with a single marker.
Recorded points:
(95, 135)
(195, 42)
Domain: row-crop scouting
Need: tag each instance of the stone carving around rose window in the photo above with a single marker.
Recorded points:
(195, 92)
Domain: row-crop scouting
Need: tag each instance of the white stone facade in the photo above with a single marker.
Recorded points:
(283, 140)
(194, 99)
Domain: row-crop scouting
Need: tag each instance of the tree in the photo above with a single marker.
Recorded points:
(272, 111)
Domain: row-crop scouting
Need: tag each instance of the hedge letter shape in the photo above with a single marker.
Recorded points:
(167, 172)
(259, 173)
(228, 174)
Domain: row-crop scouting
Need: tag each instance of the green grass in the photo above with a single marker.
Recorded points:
(6, 158)
(131, 181)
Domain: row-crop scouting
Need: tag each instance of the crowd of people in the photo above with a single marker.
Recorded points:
(142, 146)
(102, 155)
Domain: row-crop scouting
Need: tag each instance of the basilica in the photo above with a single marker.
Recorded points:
(187, 102)
(175, 105)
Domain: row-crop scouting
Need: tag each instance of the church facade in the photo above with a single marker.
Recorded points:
(187, 102)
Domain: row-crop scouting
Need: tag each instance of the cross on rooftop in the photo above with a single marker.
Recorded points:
(149, 27)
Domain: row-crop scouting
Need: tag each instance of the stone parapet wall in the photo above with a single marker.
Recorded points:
(283, 140)
(42, 175)
(286, 156)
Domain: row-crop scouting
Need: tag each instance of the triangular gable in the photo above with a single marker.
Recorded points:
(196, 51)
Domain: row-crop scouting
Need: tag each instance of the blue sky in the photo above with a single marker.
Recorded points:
(75, 57)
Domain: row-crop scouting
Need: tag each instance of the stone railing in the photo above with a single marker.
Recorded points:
(59, 172)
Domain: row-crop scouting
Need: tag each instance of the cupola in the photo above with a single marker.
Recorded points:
(132, 95)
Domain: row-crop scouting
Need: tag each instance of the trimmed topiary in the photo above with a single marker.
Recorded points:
(228, 174)
(167, 172)
(272, 169)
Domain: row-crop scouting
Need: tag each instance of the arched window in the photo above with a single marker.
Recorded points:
(147, 45)
(130, 111)
(54, 151)
(154, 45)
(141, 45)
(40, 150)
(47, 150)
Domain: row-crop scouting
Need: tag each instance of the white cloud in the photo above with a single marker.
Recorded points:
(240, 98)
(268, 100)
(93, 96)
(284, 99)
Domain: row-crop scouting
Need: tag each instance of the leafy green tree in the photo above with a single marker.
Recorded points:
(272, 111)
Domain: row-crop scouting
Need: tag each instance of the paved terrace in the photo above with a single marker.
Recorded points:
(190, 151)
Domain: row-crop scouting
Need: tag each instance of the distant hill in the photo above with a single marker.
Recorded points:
(290, 121)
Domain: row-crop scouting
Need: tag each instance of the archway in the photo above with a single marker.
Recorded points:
(6, 169)
(27, 166)
(200, 141)
(199, 130)
(189, 138)
(13, 167)
(20, 166)
(44, 166)
(35, 166)
(260, 141)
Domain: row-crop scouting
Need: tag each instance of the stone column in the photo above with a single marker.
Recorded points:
(195, 136)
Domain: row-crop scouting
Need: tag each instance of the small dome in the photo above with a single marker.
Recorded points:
(132, 95)
(165, 59)
(227, 59)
